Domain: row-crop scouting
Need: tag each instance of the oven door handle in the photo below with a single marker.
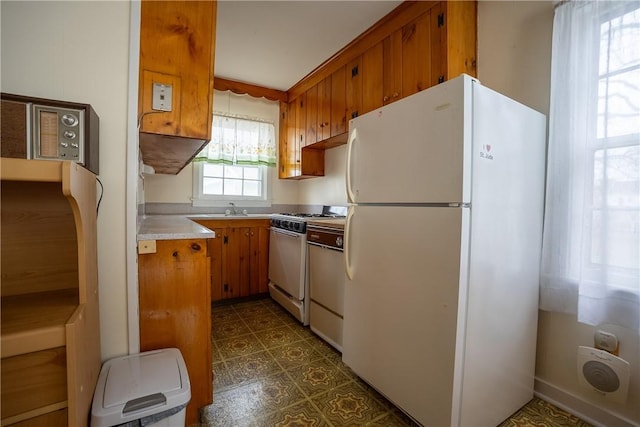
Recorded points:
(320, 245)
(286, 232)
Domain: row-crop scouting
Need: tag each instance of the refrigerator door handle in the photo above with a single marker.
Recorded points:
(350, 143)
(347, 235)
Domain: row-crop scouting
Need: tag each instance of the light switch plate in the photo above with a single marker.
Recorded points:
(146, 247)
(162, 97)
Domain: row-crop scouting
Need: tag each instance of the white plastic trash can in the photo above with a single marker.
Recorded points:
(145, 389)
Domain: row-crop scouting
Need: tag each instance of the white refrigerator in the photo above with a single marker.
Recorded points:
(442, 250)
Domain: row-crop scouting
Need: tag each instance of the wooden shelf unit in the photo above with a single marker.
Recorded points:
(50, 332)
(34, 322)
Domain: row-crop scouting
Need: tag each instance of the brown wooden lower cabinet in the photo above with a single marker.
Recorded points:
(239, 257)
(175, 310)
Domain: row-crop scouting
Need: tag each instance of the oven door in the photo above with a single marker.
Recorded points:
(327, 277)
(287, 260)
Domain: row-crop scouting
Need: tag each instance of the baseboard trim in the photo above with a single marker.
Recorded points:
(579, 407)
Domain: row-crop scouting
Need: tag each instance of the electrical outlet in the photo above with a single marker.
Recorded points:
(162, 97)
(606, 341)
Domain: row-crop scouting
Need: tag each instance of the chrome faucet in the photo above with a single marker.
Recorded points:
(233, 205)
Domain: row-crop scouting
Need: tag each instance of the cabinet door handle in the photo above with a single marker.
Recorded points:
(196, 247)
(385, 98)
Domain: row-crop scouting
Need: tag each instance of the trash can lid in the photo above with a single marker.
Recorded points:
(139, 385)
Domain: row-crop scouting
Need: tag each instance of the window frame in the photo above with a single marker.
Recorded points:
(200, 199)
(602, 144)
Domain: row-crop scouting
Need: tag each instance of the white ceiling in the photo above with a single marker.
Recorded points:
(275, 44)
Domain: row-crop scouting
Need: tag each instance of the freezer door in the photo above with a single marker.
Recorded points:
(414, 150)
(401, 317)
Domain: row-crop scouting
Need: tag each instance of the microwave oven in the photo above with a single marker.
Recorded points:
(46, 129)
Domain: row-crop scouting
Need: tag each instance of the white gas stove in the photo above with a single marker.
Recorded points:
(288, 281)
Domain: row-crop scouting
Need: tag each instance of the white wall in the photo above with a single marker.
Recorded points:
(331, 188)
(178, 188)
(78, 51)
(514, 49)
(559, 336)
(514, 57)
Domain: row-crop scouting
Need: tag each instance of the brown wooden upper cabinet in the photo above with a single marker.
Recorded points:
(300, 106)
(422, 53)
(392, 67)
(323, 122)
(293, 142)
(175, 99)
(318, 112)
(338, 103)
(353, 88)
(301, 120)
(313, 132)
(372, 78)
(414, 47)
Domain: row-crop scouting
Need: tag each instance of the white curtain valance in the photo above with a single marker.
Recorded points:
(240, 141)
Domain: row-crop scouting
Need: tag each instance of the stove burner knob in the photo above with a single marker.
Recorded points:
(339, 241)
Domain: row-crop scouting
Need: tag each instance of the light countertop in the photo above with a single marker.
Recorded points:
(176, 227)
(171, 227)
(223, 216)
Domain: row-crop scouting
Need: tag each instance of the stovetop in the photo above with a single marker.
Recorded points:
(310, 215)
(296, 221)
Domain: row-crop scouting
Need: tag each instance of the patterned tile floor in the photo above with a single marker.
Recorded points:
(269, 370)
